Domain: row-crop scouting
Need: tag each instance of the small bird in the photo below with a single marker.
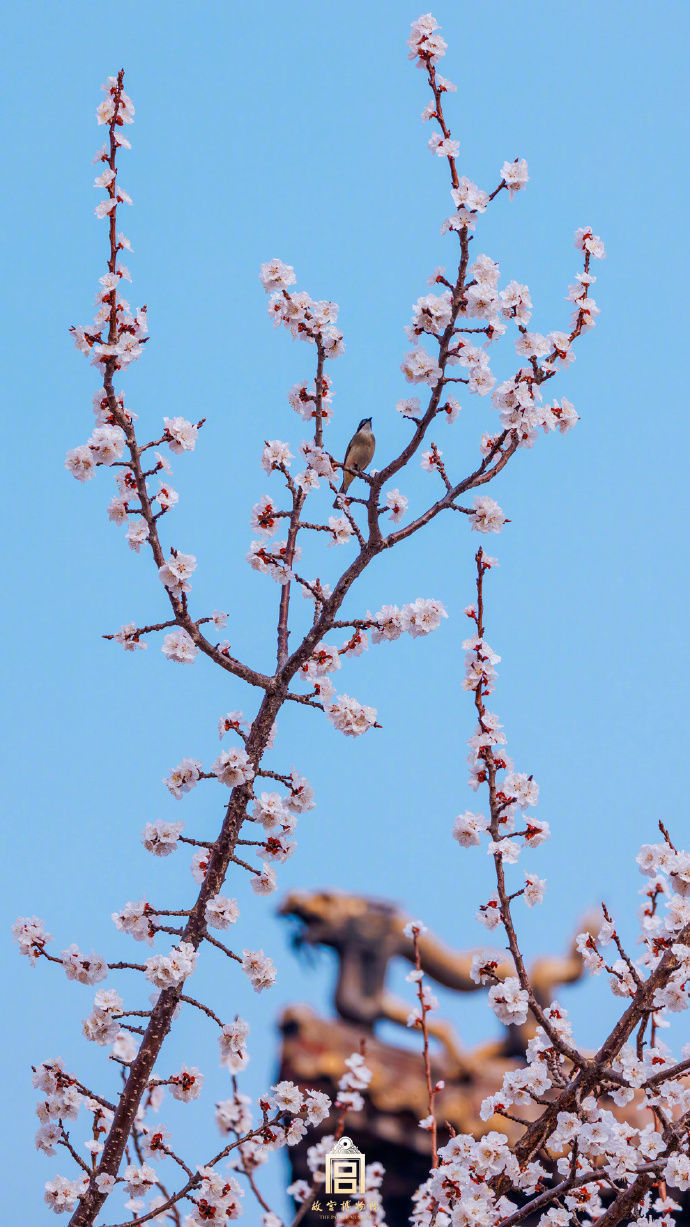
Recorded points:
(359, 453)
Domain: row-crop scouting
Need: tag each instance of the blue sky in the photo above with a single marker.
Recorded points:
(273, 132)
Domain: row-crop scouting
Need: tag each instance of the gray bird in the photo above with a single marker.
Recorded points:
(359, 453)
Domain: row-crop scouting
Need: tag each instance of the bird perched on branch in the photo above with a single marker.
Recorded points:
(359, 453)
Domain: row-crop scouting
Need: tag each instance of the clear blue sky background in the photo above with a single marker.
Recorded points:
(277, 131)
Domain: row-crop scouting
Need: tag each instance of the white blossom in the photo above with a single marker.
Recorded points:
(341, 529)
(139, 1180)
(301, 796)
(389, 624)
(585, 240)
(233, 767)
(134, 918)
(275, 275)
(349, 716)
(268, 809)
(137, 534)
(677, 1171)
(221, 912)
(183, 777)
(232, 1042)
(181, 434)
(234, 1114)
(180, 647)
(187, 1084)
(419, 367)
(422, 616)
(161, 837)
(176, 571)
(275, 454)
(171, 970)
(397, 503)
(515, 176)
(264, 883)
(487, 516)
(86, 969)
(259, 968)
(468, 829)
(521, 788)
(408, 408)
(31, 935)
(508, 1001)
(534, 889)
(128, 637)
(62, 1194)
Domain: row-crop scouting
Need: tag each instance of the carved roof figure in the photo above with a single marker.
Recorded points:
(368, 933)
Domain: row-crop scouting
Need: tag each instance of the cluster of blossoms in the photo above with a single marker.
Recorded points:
(171, 970)
(114, 340)
(306, 400)
(345, 713)
(356, 1079)
(273, 561)
(514, 792)
(103, 1023)
(600, 1153)
(418, 618)
(298, 312)
(278, 815)
(664, 921)
(478, 305)
(219, 1198)
(591, 1141)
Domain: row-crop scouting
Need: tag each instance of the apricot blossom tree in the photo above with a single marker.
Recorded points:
(598, 1160)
